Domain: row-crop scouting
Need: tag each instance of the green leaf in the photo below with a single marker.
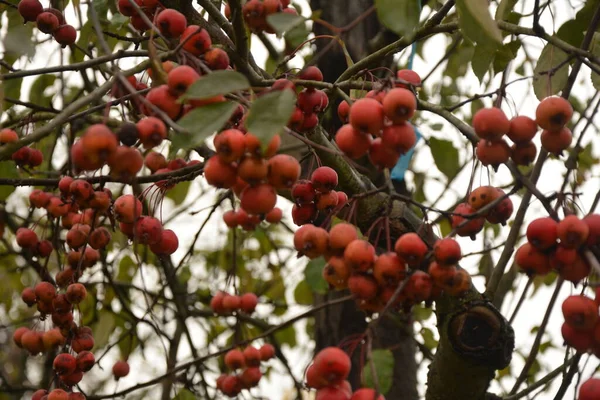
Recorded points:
(506, 54)
(179, 192)
(550, 59)
(103, 329)
(18, 42)
(36, 93)
(504, 9)
(7, 170)
(428, 338)
(476, 22)
(270, 113)
(303, 294)
(399, 16)
(216, 83)
(445, 156)
(596, 51)
(383, 362)
(286, 336)
(185, 394)
(313, 274)
(482, 59)
(283, 22)
(202, 122)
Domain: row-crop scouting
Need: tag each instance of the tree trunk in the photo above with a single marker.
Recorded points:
(344, 322)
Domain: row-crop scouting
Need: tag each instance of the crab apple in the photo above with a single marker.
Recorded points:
(220, 174)
(65, 35)
(593, 223)
(336, 272)
(311, 73)
(447, 251)
(47, 22)
(53, 338)
(76, 293)
(71, 379)
(399, 105)
(304, 214)
(230, 145)
(532, 261)
(254, 15)
(253, 169)
(311, 241)
(77, 395)
(326, 201)
(580, 341)
(542, 233)
(151, 131)
(490, 123)
(314, 379)
(572, 232)
(351, 142)
(575, 271)
(501, 212)
(40, 394)
(26, 238)
(274, 216)
(553, 113)
(30, 9)
(251, 356)
(389, 269)
(234, 359)
(18, 335)
(333, 393)
(284, 171)
(162, 98)
(77, 236)
(589, 389)
(258, 200)
(28, 296)
(99, 238)
(363, 287)
(232, 385)
(128, 133)
(171, 23)
(580, 312)
(8, 136)
(148, 230)
(359, 255)
(250, 377)
(267, 351)
(366, 116)
(196, 40)
(167, 245)
(366, 394)
(340, 236)
(376, 95)
(523, 153)
(248, 302)
(464, 223)
(556, 142)
(492, 153)
(64, 364)
(400, 137)
(381, 155)
(324, 179)
(45, 292)
(33, 342)
(39, 199)
(231, 303)
(57, 207)
(409, 76)
(343, 111)
(98, 143)
(216, 59)
(522, 129)
(181, 77)
(333, 364)
(58, 394)
(120, 369)
(411, 248)
(303, 192)
(419, 287)
(246, 221)
(482, 196)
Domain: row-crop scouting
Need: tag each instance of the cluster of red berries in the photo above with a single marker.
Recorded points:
(467, 218)
(253, 173)
(327, 374)
(491, 124)
(316, 194)
(373, 279)
(57, 394)
(225, 303)
(25, 156)
(255, 13)
(48, 20)
(248, 361)
(310, 101)
(68, 368)
(581, 329)
(559, 246)
(378, 124)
